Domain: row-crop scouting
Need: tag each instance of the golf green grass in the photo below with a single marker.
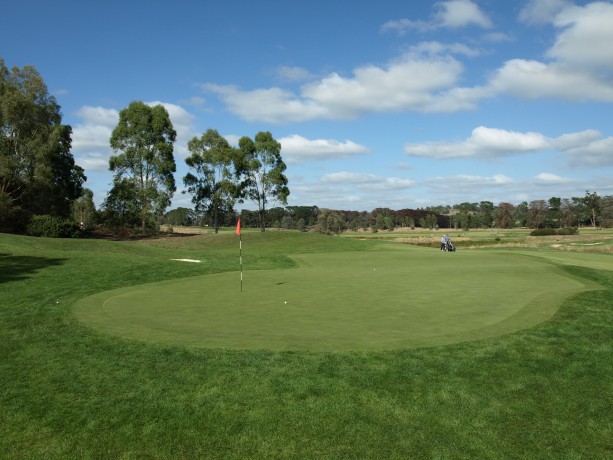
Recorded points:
(393, 298)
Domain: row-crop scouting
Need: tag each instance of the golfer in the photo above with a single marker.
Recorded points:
(443, 242)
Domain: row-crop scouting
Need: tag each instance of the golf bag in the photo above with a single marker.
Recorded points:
(449, 247)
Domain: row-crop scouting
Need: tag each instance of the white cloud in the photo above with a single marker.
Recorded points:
(297, 149)
(411, 82)
(293, 73)
(451, 14)
(465, 180)
(367, 181)
(483, 143)
(550, 179)
(433, 48)
(595, 153)
(583, 149)
(534, 79)
(90, 138)
(461, 13)
(586, 36)
(542, 11)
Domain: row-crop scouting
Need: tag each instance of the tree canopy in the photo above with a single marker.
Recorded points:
(211, 180)
(144, 170)
(38, 174)
(261, 170)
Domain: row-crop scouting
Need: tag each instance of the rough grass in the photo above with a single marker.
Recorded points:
(69, 392)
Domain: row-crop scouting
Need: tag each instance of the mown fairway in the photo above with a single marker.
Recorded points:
(73, 391)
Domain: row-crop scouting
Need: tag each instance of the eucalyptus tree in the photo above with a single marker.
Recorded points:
(38, 174)
(504, 215)
(591, 204)
(144, 137)
(260, 167)
(212, 179)
(537, 214)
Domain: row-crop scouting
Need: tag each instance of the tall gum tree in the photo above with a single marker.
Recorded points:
(260, 168)
(145, 138)
(211, 180)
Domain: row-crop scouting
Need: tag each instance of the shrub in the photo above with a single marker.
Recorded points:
(543, 232)
(52, 227)
(568, 231)
(553, 231)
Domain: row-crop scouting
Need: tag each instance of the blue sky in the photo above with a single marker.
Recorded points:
(399, 104)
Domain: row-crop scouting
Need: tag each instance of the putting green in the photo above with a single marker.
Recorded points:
(376, 300)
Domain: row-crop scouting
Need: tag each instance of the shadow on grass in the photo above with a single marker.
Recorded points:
(16, 268)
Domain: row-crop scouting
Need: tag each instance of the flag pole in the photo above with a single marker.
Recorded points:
(240, 248)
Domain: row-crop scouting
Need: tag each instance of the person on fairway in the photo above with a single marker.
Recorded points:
(448, 245)
(443, 242)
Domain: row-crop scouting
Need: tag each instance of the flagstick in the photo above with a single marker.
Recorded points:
(240, 246)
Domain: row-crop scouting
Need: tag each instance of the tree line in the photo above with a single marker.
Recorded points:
(555, 213)
(42, 192)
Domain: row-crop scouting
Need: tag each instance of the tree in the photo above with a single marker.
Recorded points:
(568, 213)
(212, 184)
(607, 211)
(591, 203)
(521, 214)
(38, 174)
(84, 210)
(329, 221)
(260, 168)
(537, 214)
(145, 136)
(553, 213)
(486, 212)
(504, 215)
(181, 216)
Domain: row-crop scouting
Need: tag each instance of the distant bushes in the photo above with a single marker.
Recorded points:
(554, 231)
(52, 227)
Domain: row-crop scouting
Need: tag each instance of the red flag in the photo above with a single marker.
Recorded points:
(238, 227)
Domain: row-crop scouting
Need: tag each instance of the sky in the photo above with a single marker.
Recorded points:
(387, 103)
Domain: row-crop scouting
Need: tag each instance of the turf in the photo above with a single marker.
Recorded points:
(70, 391)
(396, 297)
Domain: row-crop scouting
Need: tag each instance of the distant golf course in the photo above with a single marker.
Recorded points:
(363, 345)
(394, 297)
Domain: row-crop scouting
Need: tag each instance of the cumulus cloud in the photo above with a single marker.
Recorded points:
(411, 82)
(550, 179)
(585, 148)
(586, 36)
(90, 137)
(452, 14)
(297, 149)
(460, 13)
(483, 143)
(542, 11)
(367, 181)
(596, 153)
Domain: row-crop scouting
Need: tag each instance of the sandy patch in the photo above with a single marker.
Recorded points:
(195, 261)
